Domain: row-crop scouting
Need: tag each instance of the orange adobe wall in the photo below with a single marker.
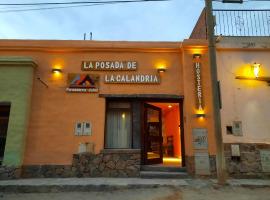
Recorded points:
(54, 112)
(191, 47)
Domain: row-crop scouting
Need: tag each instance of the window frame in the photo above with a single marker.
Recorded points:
(108, 101)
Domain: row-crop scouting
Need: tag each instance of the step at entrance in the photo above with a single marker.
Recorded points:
(161, 171)
(162, 168)
(154, 174)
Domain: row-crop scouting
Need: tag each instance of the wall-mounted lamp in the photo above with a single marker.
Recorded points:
(56, 71)
(200, 115)
(161, 69)
(256, 67)
(197, 56)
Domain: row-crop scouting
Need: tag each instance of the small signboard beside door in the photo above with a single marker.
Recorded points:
(202, 163)
(265, 160)
(153, 135)
(201, 156)
(200, 138)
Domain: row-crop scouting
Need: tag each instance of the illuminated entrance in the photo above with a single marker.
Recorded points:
(153, 125)
(163, 134)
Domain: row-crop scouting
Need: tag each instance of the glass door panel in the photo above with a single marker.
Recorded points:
(153, 135)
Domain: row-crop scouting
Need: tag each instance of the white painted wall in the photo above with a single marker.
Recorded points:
(246, 101)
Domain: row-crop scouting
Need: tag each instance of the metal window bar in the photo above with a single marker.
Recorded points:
(242, 22)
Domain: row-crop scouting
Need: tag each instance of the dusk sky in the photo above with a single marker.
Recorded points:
(149, 21)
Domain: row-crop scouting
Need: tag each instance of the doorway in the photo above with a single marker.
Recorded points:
(4, 118)
(163, 134)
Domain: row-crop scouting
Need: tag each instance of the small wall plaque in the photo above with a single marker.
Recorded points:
(237, 128)
(202, 163)
(200, 138)
(235, 150)
(265, 160)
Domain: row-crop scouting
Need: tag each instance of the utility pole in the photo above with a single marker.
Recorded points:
(220, 160)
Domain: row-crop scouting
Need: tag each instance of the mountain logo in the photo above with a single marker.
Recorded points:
(83, 83)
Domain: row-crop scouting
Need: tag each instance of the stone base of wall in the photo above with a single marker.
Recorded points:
(247, 166)
(126, 163)
(47, 171)
(9, 172)
(109, 163)
(249, 163)
(190, 165)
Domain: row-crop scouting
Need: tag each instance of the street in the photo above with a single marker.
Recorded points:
(160, 193)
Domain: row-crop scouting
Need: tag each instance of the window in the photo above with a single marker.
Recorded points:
(118, 125)
(4, 118)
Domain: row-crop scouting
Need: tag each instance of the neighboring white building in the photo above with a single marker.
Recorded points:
(245, 111)
(244, 101)
(243, 39)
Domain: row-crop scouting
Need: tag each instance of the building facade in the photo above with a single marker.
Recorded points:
(114, 109)
(127, 104)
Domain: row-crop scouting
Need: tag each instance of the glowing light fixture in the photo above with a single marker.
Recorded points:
(56, 71)
(123, 115)
(256, 69)
(200, 114)
(169, 106)
(161, 69)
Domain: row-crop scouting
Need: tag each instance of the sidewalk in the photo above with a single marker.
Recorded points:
(101, 184)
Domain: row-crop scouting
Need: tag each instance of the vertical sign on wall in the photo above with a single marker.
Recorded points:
(198, 81)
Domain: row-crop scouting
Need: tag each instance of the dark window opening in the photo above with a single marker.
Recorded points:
(4, 118)
(229, 130)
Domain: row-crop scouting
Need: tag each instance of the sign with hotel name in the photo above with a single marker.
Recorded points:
(198, 85)
(83, 83)
(127, 78)
(109, 65)
(132, 78)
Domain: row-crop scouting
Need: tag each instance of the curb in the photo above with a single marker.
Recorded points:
(75, 188)
(98, 185)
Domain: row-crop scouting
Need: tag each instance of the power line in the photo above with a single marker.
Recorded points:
(48, 8)
(75, 2)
